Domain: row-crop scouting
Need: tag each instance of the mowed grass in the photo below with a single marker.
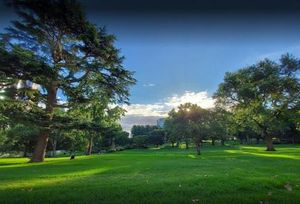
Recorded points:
(240, 174)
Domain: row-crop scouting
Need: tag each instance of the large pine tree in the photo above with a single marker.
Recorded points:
(53, 45)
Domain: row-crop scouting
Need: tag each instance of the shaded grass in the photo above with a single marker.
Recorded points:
(241, 174)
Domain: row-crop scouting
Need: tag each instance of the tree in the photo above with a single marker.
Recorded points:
(178, 125)
(189, 121)
(140, 141)
(53, 46)
(262, 93)
(220, 122)
(199, 122)
(172, 129)
(156, 137)
(56, 137)
(122, 139)
(21, 138)
(142, 129)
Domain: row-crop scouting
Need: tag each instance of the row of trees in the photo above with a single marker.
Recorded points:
(60, 73)
(191, 123)
(19, 139)
(143, 136)
(260, 101)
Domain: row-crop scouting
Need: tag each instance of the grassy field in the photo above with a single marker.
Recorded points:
(241, 174)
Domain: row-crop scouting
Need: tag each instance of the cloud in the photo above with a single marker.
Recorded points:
(149, 85)
(156, 109)
(143, 114)
(200, 98)
(162, 108)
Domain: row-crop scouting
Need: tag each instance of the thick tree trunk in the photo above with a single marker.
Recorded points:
(42, 140)
(172, 144)
(90, 146)
(269, 143)
(40, 148)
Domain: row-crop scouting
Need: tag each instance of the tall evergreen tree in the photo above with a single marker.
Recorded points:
(53, 45)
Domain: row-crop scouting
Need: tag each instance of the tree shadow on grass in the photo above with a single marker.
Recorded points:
(169, 189)
(278, 155)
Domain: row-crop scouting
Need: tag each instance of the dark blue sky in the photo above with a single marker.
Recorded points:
(177, 46)
(177, 53)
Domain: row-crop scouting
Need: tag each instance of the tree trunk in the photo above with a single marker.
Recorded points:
(294, 139)
(25, 151)
(42, 140)
(222, 142)
(172, 144)
(186, 144)
(213, 142)
(40, 148)
(269, 142)
(257, 140)
(248, 140)
(177, 143)
(54, 142)
(113, 143)
(90, 146)
(198, 148)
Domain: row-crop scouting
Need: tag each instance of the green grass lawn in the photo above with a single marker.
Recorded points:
(241, 174)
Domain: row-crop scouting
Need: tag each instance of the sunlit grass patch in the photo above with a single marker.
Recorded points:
(242, 174)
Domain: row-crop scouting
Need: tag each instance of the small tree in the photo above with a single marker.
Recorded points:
(219, 125)
(140, 141)
(157, 137)
(189, 121)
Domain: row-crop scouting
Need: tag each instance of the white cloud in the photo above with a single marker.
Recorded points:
(140, 113)
(156, 109)
(162, 108)
(149, 85)
(200, 98)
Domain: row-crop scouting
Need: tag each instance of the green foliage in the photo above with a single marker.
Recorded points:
(142, 129)
(122, 139)
(20, 138)
(157, 137)
(140, 141)
(75, 140)
(262, 94)
(53, 47)
(189, 122)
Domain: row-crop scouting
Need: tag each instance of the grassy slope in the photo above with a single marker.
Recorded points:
(245, 174)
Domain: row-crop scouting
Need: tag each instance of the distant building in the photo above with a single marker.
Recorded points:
(160, 122)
